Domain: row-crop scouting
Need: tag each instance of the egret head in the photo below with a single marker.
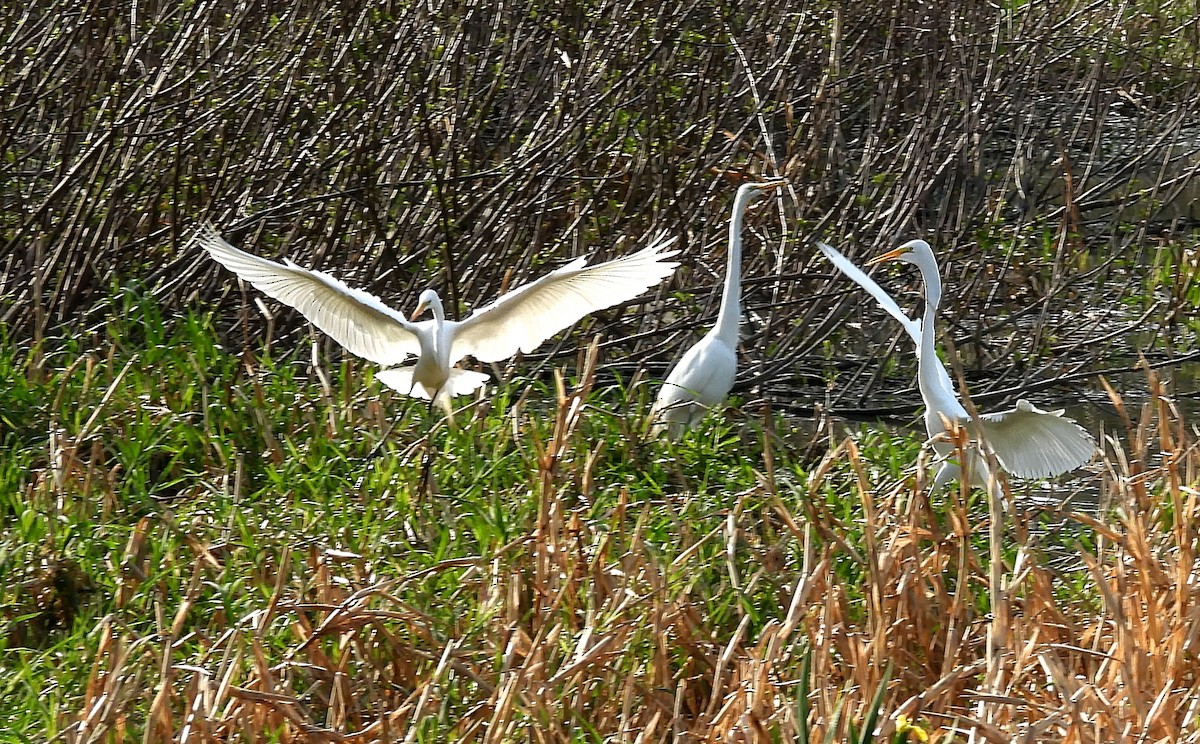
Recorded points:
(916, 252)
(428, 300)
(756, 189)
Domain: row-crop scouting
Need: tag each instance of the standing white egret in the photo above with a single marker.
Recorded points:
(705, 374)
(519, 320)
(1028, 442)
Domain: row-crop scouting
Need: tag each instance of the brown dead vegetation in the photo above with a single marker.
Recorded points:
(583, 631)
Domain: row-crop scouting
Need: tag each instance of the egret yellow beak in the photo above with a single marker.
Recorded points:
(889, 256)
(772, 185)
(420, 309)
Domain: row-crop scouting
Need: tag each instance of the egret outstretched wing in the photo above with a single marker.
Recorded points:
(889, 305)
(525, 317)
(355, 319)
(847, 267)
(1032, 443)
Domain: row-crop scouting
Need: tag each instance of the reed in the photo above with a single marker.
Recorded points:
(202, 549)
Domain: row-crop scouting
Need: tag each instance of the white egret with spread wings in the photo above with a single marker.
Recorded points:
(1028, 442)
(519, 320)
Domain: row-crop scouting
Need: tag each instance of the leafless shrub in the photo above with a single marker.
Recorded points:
(468, 145)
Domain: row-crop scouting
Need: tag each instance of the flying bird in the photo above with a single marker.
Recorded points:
(519, 320)
(705, 374)
(1028, 442)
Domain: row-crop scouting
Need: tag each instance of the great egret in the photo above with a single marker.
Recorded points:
(705, 374)
(518, 320)
(1028, 442)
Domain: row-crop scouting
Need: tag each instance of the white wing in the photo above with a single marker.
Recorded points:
(525, 317)
(354, 318)
(890, 306)
(883, 298)
(401, 380)
(1032, 443)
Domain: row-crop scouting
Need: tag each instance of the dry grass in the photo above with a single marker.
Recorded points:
(199, 546)
(586, 627)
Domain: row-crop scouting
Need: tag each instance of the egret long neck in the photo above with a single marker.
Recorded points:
(936, 387)
(731, 307)
(441, 344)
(933, 297)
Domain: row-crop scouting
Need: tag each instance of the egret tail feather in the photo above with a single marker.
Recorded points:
(401, 380)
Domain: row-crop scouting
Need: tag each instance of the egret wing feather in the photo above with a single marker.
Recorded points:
(402, 381)
(465, 382)
(889, 305)
(1032, 443)
(355, 319)
(525, 317)
(460, 382)
(847, 267)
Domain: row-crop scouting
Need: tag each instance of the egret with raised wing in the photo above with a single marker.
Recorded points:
(1027, 441)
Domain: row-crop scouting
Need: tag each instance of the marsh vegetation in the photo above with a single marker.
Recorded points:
(212, 525)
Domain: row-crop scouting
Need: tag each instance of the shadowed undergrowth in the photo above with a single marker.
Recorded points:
(203, 547)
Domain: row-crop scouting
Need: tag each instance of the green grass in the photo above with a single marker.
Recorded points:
(186, 475)
(187, 525)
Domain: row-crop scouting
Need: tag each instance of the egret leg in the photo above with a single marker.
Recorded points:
(427, 467)
(379, 445)
(370, 458)
(946, 473)
(428, 455)
(445, 402)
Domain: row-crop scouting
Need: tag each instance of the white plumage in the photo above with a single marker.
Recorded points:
(706, 372)
(1028, 442)
(519, 320)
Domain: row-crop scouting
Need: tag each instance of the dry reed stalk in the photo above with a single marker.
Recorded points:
(593, 626)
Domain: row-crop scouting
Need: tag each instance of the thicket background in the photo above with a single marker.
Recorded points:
(1048, 150)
